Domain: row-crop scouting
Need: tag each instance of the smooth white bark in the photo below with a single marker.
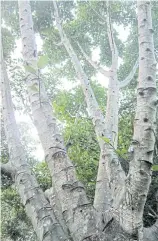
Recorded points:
(109, 162)
(107, 187)
(77, 212)
(37, 207)
(139, 177)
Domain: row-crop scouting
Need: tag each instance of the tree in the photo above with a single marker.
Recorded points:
(118, 206)
(25, 182)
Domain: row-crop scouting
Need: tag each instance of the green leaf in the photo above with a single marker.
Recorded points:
(118, 151)
(30, 69)
(107, 140)
(42, 61)
(155, 168)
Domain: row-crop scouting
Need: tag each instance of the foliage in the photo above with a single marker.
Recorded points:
(84, 151)
(42, 62)
(150, 211)
(8, 42)
(79, 135)
(43, 176)
(14, 222)
(68, 104)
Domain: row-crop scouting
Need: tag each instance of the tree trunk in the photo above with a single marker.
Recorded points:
(107, 188)
(139, 177)
(77, 212)
(36, 206)
(70, 215)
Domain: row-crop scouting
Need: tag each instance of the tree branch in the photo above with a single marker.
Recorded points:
(58, 44)
(95, 66)
(111, 39)
(155, 214)
(104, 191)
(128, 79)
(93, 108)
(99, 15)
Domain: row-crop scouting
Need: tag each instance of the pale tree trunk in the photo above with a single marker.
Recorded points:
(111, 119)
(108, 162)
(113, 89)
(110, 178)
(107, 187)
(139, 177)
(76, 210)
(67, 196)
(36, 206)
(103, 193)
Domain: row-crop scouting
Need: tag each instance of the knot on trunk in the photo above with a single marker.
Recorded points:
(72, 185)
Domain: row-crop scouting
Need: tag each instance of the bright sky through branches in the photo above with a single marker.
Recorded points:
(38, 152)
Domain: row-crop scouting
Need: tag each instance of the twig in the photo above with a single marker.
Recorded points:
(128, 79)
(95, 66)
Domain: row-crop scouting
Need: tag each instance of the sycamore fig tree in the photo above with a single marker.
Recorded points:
(64, 211)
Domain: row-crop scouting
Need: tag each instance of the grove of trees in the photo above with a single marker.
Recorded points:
(98, 180)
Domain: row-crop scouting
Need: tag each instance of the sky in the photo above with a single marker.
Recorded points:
(38, 152)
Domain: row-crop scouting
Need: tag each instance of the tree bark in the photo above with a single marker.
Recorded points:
(107, 187)
(37, 207)
(120, 203)
(111, 121)
(139, 177)
(77, 212)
